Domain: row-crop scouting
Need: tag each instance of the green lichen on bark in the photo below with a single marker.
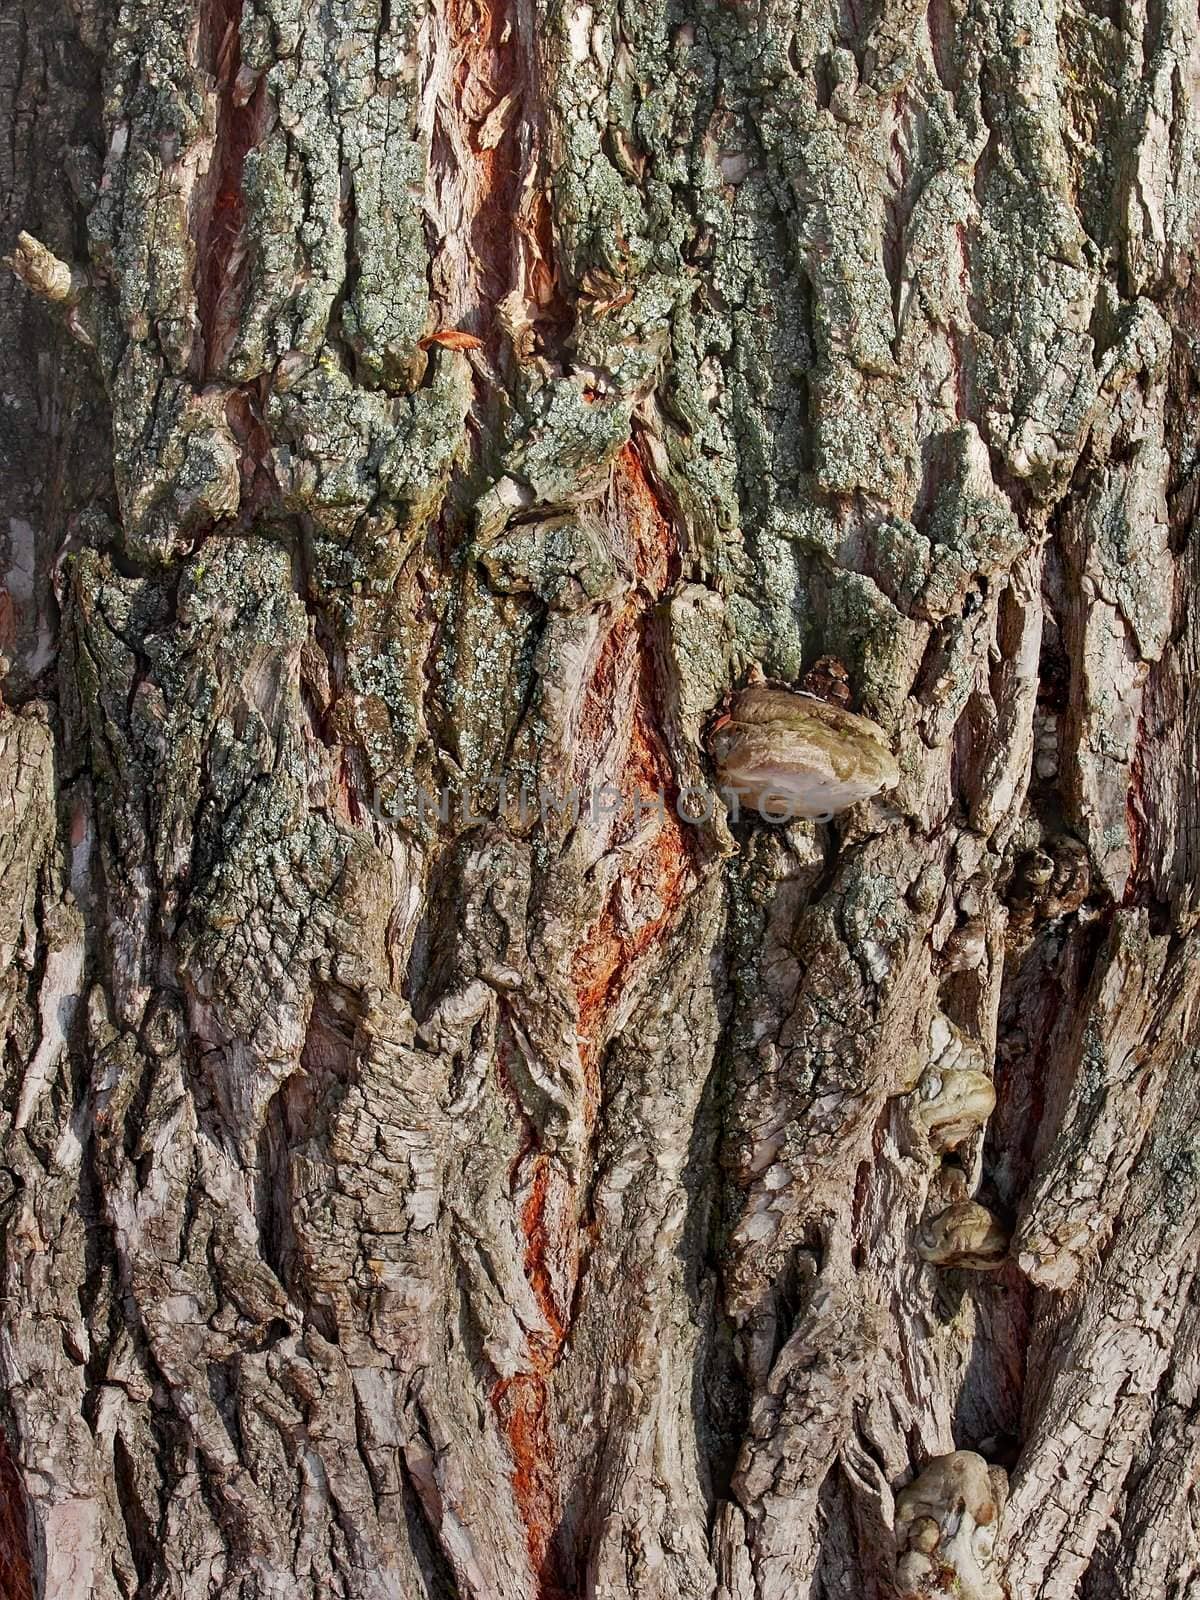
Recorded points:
(490, 389)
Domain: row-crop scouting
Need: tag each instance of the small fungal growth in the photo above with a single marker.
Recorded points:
(792, 755)
(946, 1524)
(1047, 883)
(955, 1096)
(828, 679)
(964, 1235)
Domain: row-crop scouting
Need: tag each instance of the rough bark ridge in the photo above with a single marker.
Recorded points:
(510, 1207)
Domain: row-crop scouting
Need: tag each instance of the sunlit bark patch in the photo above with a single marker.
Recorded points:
(510, 1206)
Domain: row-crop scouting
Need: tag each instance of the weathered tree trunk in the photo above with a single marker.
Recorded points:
(472, 1200)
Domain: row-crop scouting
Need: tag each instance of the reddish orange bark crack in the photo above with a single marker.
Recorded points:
(653, 877)
(508, 242)
(487, 68)
(660, 870)
(537, 1243)
(16, 1578)
(521, 1406)
(244, 413)
(509, 246)
(239, 120)
(521, 1402)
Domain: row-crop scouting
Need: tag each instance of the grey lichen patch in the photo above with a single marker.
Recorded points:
(855, 420)
(214, 764)
(1158, 154)
(261, 885)
(107, 617)
(160, 114)
(376, 98)
(881, 647)
(877, 926)
(630, 204)
(27, 840)
(606, 234)
(195, 158)
(381, 712)
(859, 398)
(248, 947)
(224, 734)
(346, 119)
(366, 469)
(698, 642)
(901, 560)
(564, 561)
(630, 344)
(1097, 86)
(1036, 360)
(774, 622)
(1124, 510)
(972, 529)
(825, 1037)
(561, 452)
(485, 666)
(177, 463)
(294, 264)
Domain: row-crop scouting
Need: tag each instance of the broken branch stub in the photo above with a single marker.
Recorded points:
(41, 271)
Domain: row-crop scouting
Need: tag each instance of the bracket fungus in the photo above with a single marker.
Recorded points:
(964, 1235)
(946, 1524)
(790, 755)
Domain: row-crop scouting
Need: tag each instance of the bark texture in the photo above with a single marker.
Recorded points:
(487, 1204)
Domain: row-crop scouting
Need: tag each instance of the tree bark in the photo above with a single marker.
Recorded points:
(411, 1189)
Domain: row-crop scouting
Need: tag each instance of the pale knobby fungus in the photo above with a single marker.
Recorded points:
(966, 947)
(946, 1524)
(964, 1235)
(955, 1096)
(791, 755)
